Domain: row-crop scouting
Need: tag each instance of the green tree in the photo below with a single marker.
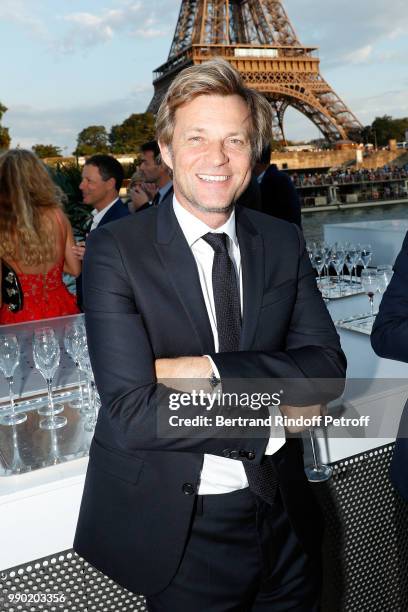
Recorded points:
(385, 128)
(4, 133)
(46, 150)
(133, 132)
(93, 139)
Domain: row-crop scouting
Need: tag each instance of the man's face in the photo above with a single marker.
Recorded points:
(210, 154)
(148, 166)
(95, 191)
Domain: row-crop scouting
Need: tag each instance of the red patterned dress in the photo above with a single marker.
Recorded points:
(44, 294)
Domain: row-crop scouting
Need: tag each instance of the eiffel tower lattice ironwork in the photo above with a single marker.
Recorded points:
(256, 37)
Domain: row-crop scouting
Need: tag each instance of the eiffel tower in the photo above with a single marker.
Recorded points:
(257, 38)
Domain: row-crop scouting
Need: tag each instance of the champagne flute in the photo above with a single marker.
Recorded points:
(9, 360)
(46, 353)
(318, 260)
(74, 339)
(384, 275)
(366, 254)
(369, 282)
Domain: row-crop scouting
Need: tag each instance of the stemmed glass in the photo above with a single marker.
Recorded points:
(369, 282)
(318, 472)
(9, 360)
(337, 257)
(318, 260)
(46, 353)
(85, 365)
(366, 254)
(74, 339)
(352, 256)
(384, 275)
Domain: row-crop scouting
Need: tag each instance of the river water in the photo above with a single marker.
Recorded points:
(313, 222)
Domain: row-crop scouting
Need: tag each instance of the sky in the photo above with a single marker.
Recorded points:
(68, 64)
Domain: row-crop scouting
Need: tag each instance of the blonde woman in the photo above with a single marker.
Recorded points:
(35, 242)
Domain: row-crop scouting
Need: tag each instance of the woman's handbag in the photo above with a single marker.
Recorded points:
(11, 290)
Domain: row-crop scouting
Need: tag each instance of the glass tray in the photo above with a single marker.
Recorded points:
(333, 289)
(26, 447)
(361, 323)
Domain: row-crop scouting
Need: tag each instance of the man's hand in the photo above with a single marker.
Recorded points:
(305, 412)
(138, 196)
(185, 372)
(150, 189)
(79, 250)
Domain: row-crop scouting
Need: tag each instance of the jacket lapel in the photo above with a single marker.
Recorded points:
(252, 261)
(181, 268)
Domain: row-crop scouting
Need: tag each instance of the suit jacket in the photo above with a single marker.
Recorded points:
(389, 339)
(117, 211)
(279, 196)
(143, 301)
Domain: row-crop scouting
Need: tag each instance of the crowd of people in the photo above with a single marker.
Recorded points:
(37, 244)
(343, 176)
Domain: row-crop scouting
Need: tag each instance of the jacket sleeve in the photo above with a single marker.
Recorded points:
(389, 337)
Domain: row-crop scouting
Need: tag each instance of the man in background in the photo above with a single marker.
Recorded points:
(102, 178)
(279, 197)
(157, 184)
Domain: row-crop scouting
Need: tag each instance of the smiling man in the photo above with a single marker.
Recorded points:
(202, 289)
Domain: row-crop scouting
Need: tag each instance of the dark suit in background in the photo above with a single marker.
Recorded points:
(143, 301)
(389, 339)
(117, 211)
(279, 196)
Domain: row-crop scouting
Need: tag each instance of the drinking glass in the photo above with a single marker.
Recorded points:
(318, 472)
(384, 275)
(9, 360)
(366, 254)
(46, 353)
(318, 261)
(352, 256)
(91, 409)
(74, 340)
(369, 283)
(337, 258)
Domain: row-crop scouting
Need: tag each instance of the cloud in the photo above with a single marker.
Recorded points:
(61, 126)
(360, 56)
(135, 19)
(22, 12)
(342, 31)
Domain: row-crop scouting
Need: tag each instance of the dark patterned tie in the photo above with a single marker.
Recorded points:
(262, 477)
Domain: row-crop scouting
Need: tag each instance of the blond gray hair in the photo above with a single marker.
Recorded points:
(218, 78)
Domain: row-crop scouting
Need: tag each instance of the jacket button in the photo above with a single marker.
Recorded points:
(250, 455)
(188, 489)
(226, 452)
(234, 454)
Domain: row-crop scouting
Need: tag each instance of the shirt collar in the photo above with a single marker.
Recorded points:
(194, 229)
(98, 214)
(163, 190)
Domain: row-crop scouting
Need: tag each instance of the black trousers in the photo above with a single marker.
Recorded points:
(242, 555)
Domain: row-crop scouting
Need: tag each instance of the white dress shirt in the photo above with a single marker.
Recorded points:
(218, 474)
(98, 214)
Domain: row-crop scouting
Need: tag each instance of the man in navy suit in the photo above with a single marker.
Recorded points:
(389, 339)
(278, 193)
(102, 178)
(197, 289)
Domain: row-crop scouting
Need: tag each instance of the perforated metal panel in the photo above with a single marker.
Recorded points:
(366, 544)
(67, 584)
(365, 554)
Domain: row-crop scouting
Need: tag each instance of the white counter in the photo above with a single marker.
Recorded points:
(38, 511)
